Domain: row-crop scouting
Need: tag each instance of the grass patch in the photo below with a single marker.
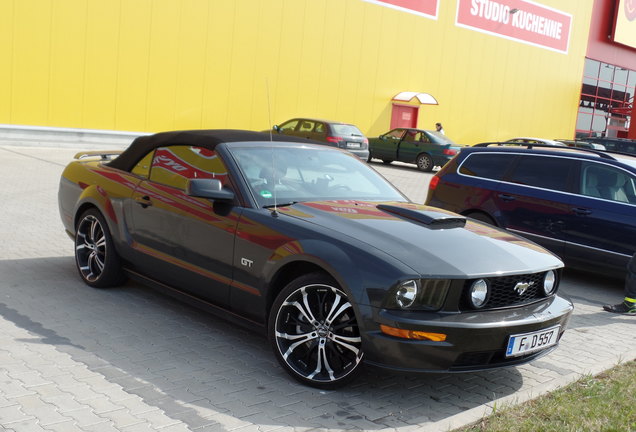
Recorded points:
(606, 402)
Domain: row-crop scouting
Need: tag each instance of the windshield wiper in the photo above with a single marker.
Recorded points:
(281, 204)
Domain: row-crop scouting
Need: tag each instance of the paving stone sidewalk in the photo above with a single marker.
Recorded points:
(130, 359)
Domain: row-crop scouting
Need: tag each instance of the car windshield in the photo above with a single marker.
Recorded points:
(284, 175)
(346, 130)
(440, 138)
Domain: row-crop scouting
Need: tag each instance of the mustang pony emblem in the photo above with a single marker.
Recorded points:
(522, 287)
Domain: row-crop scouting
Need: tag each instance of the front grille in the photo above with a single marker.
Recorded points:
(503, 293)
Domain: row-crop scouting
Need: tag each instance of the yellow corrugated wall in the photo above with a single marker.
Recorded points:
(153, 65)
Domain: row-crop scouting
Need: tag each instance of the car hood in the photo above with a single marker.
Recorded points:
(429, 240)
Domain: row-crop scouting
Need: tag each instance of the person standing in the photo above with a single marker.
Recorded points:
(439, 128)
(628, 306)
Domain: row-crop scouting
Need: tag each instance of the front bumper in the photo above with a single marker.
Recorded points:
(475, 340)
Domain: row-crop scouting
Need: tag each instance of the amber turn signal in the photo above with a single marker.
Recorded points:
(412, 334)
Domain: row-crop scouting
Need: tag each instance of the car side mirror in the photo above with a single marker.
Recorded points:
(383, 137)
(276, 128)
(208, 188)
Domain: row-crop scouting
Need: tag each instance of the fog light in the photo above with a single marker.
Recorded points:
(406, 293)
(478, 293)
(549, 283)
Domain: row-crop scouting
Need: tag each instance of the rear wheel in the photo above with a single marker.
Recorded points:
(97, 261)
(314, 332)
(424, 162)
(482, 217)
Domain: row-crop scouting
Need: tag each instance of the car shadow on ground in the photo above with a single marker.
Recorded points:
(400, 166)
(201, 369)
(589, 292)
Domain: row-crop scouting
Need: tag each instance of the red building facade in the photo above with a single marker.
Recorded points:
(607, 105)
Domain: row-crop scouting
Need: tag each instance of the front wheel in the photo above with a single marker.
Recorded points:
(95, 254)
(424, 162)
(314, 332)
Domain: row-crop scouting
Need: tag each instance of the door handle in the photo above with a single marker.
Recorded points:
(143, 201)
(505, 197)
(581, 211)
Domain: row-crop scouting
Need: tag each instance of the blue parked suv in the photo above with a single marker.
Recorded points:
(580, 204)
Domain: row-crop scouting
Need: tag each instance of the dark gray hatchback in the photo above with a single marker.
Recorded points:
(335, 134)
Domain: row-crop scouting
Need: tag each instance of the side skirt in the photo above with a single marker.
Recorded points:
(198, 303)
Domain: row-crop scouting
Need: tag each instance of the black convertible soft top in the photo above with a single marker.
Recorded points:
(206, 138)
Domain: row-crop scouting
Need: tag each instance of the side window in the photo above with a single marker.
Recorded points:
(174, 165)
(289, 126)
(306, 126)
(544, 172)
(142, 168)
(320, 128)
(396, 133)
(422, 137)
(603, 181)
(412, 136)
(487, 165)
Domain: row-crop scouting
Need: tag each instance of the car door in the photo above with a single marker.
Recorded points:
(306, 129)
(601, 227)
(320, 132)
(186, 240)
(534, 200)
(385, 147)
(413, 143)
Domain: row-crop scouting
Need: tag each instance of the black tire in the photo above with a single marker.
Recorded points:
(424, 162)
(387, 161)
(482, 217)
(95, 256)
(314, 332)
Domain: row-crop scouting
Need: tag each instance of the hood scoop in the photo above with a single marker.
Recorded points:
(432, 219)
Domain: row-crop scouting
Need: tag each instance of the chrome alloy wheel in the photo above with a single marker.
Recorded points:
(317, 335)
(90, 248)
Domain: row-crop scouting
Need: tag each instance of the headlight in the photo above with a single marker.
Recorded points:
(549, 283)
(478, 293)
(406, 293)
(418, 294)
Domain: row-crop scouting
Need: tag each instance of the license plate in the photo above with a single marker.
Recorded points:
(527, 343)
(353, 145)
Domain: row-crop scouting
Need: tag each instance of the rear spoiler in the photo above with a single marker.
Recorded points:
(103, 154)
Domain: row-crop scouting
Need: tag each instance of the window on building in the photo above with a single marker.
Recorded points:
(606, 100)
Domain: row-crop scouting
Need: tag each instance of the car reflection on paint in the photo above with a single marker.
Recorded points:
(314, 248)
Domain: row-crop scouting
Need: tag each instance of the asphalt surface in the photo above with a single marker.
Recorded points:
(130, 359)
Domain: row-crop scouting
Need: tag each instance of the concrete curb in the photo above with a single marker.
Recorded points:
(475, 414)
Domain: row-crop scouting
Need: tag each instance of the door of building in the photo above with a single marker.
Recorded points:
(404, 116)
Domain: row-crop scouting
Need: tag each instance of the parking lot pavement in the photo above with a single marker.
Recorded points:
(129, 359)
